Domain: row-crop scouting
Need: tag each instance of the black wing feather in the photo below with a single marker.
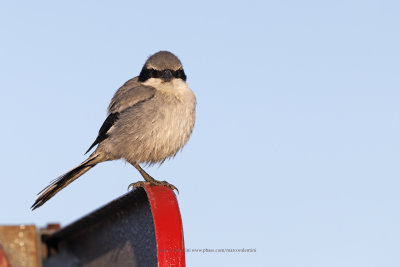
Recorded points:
(107, 124)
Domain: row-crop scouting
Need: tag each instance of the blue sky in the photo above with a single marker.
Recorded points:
(296, 146)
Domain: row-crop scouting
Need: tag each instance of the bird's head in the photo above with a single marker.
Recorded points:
(162, 65)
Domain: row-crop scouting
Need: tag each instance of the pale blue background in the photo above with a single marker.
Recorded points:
(296, 146)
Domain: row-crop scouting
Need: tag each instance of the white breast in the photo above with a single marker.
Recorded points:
(175, 122)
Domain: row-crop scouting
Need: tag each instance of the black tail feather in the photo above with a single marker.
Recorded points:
(56, 185)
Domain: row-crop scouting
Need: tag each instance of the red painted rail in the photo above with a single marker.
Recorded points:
(168, 226)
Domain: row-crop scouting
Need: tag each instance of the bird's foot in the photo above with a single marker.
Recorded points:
(155, 182)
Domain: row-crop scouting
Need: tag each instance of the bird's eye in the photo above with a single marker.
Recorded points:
(156, 73)
(146, 74)
(179, 74)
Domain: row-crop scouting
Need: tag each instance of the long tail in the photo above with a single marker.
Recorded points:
(64, 180)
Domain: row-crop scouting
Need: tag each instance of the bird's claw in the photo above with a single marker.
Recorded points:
(157, 183)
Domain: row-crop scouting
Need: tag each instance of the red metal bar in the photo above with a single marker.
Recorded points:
(168, 226)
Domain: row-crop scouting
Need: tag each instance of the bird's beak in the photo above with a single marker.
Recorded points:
(167, 76)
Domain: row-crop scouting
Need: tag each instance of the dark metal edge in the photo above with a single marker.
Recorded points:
(96, 216)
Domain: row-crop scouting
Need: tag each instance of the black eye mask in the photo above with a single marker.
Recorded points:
(146, 74)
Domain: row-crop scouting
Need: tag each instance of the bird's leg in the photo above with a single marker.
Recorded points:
(149, 180)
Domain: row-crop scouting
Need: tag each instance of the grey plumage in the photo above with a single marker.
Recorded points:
(150, 118)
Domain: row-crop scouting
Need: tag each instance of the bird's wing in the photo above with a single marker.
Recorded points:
(131, 93)
(128, 95)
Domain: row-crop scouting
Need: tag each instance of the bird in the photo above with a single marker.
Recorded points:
(150, 119)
